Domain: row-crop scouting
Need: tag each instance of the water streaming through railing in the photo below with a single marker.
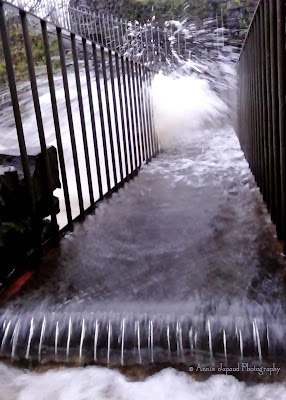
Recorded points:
(135, 339)
(121, 98)
(126, 339)
(261, 117)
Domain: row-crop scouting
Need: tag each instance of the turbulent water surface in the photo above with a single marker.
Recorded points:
(188, 243)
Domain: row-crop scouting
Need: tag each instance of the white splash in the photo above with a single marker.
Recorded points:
(184, 103)
(101, 383)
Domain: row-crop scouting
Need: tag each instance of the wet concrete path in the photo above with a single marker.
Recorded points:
(191, 225)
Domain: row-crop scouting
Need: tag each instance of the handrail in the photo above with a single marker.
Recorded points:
(149, 43)
(261, 106)
(92, 174)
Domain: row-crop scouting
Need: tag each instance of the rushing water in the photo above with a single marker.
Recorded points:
(193, 267)
(100, 383)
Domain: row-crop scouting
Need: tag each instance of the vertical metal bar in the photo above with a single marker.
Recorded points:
(96, 33)
(70, 119)
(151, 133)
(250, 98)
(131, 114)
(152, 41)
(275, 115)
(142, 45)
(281, 66)
(256, 140)
(146, 43)
(18, 121)
(126, 23)
(105, 32)
(113, 32)
(109, 31)
(97, 79)
(92, 119)
(269, 110)
(141, 116)
(131, 159)
(148, 113)
(108, 115)
(159, 45)
(154, 141)
(56, 122)
(118, 35)
(253, 116)
(100, 30)
(40, 126)
(122, 35)
(135, 100)
(135, 47)
(115, 116)
(258, 101)
(144, 116)
(171, 45)
(264, 107)
(166, 47)
(81, 24)
(121, 114)
(82, 118)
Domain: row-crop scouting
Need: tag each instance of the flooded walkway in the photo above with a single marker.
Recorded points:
(191, 225)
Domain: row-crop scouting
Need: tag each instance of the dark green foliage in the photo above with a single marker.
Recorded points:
(18, 50)
(196, 10)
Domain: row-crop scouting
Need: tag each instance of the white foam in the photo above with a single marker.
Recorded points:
(101, 383)
(184, 103)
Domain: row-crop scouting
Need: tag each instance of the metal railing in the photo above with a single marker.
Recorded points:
(261, 106)
(149, 43)
(100, 116)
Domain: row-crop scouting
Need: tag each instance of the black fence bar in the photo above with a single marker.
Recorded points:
(120, 98)
(57, 123)
(275, 115)
(264, 106)
(107, 101)
(100, 106)
(132, 115)
(38, 114)
(258, 96)
(70, 119)
(82, 117)
(269, 110)
(261, 106)
(137, 115)
(150, 143)
(155, 140)
(76, 81)
(146, 102)
(92, 119)
(18, 121)
(144, 110)
(114, 101)
(281, 65)
(141, 115)
(127, 109)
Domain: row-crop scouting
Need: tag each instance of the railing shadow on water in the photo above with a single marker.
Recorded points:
(99, 115)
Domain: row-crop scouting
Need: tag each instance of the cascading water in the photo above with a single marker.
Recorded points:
(113, 297)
